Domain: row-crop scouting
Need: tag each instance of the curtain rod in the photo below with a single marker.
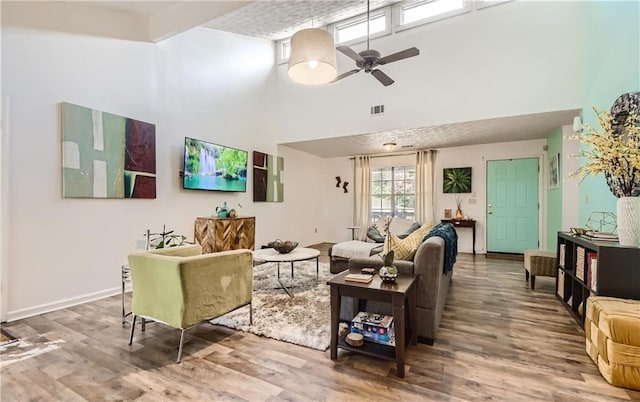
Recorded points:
(394, 154)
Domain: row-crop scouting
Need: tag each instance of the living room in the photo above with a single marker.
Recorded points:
(513, 59)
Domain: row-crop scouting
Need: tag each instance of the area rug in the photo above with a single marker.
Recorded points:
(6, 338)
(303, 319)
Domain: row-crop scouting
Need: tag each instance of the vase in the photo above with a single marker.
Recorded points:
(628, 209)
(459, 214)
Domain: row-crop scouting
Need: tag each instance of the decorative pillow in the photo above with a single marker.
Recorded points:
(374, 234)
(404, 249)
(414, 226)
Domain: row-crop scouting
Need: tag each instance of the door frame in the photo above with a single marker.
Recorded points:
(4, 208)
(542, 195)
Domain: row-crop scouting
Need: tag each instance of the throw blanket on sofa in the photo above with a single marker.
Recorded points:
(353, 248)
(448, 233)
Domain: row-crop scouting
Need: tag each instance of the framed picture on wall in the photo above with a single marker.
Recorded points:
(554, 171)
(456, 180)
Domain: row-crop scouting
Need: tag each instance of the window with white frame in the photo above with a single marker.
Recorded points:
(410, 14)
(393, 192)
(488, 3)
(283, 50)
(354, 30)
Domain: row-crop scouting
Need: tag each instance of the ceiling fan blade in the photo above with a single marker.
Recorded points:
(348, 73)
(403, 54)
(346, 50)
(382, 77)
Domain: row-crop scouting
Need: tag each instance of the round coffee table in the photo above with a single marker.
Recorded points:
(298, 254)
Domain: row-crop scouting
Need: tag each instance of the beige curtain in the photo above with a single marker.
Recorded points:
(362, 207)
(424, 185)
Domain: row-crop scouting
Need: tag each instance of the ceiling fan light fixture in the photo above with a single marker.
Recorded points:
(313, 57)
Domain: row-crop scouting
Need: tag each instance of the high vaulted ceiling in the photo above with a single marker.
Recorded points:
(278, 19)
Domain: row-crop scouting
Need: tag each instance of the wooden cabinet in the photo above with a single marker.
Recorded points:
(587, 267)
(221, 234)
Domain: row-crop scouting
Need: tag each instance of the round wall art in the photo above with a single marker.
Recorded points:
(620, 111)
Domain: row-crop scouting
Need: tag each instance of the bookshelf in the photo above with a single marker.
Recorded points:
(587, 267)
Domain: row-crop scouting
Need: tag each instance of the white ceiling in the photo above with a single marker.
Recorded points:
(278, 19)
(505, 129)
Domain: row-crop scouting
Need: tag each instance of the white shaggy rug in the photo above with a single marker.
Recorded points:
(302, 320)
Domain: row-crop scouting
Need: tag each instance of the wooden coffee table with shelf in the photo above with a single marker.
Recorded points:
(401, 295)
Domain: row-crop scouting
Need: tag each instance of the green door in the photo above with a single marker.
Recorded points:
(512, 205)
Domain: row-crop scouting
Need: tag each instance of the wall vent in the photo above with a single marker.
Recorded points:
(377, 109)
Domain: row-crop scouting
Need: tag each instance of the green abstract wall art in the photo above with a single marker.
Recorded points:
(456, 180)
(268, 177)
(106, 156)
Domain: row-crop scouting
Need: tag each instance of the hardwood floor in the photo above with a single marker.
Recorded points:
(498, 340)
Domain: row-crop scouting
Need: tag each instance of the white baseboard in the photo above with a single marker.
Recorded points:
(58, 305)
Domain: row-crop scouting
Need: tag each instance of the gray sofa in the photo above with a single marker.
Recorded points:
(433, 286)
(339, 264)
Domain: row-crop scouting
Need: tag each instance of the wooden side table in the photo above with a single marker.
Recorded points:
(464, 223)
(398, 294)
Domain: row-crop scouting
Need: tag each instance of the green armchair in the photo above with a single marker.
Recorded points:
(181, 287)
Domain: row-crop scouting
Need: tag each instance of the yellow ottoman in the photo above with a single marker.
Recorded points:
(612, 332)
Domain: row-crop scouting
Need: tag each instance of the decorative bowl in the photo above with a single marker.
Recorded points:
(578, 231)
(387, 276)
(284, 247)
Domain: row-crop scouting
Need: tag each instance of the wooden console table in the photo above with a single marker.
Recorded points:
(464, 223)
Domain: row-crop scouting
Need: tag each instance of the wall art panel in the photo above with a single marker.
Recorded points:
(268, 177)
(106, 156)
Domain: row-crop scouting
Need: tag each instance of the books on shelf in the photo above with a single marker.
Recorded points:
(561, 284)
(594, 274)
(580, 255)
(591, 257)
(374, 327)
(362, 278)
(600, 236)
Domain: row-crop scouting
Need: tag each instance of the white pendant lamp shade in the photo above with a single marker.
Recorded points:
(313, 57)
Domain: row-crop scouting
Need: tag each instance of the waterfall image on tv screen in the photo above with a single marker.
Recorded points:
(214, 167)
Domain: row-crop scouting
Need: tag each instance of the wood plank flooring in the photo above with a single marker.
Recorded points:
(498, 340)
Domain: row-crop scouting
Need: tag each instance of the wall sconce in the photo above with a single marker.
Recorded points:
(389, 145)
(577, 124)
(313, 57)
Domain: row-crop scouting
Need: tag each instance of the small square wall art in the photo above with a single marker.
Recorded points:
(106, 156)
(268, 177)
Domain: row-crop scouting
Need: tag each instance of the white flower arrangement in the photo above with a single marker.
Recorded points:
(612, 153)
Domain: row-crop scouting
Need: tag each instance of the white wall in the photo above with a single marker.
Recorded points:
(515, 58)
(475, 156)
(570, 186)
(205, 84)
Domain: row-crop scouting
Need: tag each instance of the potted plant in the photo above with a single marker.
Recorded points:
(164, 239)
(615, 152)
(388, 272)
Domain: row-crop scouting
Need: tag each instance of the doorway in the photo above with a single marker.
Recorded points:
(512, 205)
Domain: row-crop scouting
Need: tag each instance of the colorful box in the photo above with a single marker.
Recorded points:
(374, 327)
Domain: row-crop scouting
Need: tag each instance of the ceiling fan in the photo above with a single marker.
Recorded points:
(369, 59)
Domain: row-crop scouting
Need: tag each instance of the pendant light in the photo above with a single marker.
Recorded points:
(312, 60)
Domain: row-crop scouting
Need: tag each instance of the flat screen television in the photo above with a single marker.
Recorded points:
(214, 167)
